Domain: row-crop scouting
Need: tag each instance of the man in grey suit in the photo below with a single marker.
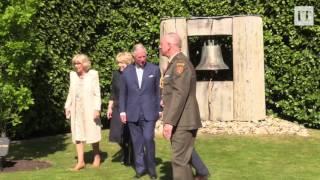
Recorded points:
(181, 112)
(139, 104)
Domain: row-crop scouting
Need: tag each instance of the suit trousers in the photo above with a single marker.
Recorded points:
(196, 162)
(142, 134)
(182, 143)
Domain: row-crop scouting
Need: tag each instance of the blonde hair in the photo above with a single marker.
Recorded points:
(124, 57)
(83, 59)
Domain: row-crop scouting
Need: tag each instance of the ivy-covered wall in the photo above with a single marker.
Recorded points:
(103, 28)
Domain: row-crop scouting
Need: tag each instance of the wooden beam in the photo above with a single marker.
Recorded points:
(206, 27)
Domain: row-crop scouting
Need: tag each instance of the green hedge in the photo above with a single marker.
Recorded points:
(103, 28)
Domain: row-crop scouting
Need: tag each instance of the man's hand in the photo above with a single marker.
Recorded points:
(161, 103)
(160, 114)
(167, 131)
(123, 118)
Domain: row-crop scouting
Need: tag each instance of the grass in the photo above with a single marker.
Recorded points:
(229, 157)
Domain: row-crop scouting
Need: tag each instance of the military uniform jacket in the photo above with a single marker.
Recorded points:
(179, 94)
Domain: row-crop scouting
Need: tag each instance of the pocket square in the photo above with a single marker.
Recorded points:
(151, 76)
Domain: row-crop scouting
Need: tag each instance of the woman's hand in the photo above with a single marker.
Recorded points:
(67, 112)
(96, 115)
(109, 113)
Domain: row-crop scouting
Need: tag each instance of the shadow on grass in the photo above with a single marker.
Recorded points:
(36, 148)
(117, 157)
(165, 170)
(88, 156)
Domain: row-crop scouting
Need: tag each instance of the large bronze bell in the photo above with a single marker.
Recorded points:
(211, 57)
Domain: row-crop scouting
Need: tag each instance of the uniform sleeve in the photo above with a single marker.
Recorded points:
(96, 92)
(180, 92)
(68, 102)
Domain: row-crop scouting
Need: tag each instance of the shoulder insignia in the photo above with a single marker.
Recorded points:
(180, 68)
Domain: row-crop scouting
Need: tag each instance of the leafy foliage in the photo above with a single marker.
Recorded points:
(18, 52)
(101, 29)
(292, 64)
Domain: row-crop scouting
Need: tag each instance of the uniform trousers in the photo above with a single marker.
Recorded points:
(182, 143)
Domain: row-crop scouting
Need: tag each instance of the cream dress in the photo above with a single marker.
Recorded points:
(82, 101)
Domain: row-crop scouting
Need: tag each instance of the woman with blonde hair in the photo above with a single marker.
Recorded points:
(119, 132)
(83, 107)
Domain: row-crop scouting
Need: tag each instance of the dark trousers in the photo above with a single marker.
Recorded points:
(196, 162)
(142, 134)
(126, 146)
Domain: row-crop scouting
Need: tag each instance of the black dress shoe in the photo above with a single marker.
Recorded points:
(138, 175)
(201, 177)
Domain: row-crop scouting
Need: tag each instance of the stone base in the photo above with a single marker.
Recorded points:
(270, 125)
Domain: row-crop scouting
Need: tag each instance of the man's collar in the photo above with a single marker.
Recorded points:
(171, 57)
(139, 67)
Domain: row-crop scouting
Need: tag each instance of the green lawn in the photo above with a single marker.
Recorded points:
(228, 157)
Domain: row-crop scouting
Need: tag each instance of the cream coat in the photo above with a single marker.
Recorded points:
(92, 102)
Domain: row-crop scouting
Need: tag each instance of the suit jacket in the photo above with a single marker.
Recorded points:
(133, 99)
(92, 101)
(179, 94)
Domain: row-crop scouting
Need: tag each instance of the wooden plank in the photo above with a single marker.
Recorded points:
(210, 26)
(178, 25)
(202, 98)
(248, 69)
(258, 78)
(215, 100)
(222, 101)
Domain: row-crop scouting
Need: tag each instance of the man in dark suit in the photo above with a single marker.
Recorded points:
(140, 107)
(181, 114)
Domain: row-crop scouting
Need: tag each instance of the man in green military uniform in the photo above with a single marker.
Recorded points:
(181, 112)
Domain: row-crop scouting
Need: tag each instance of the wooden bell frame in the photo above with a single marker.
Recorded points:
(243, 98)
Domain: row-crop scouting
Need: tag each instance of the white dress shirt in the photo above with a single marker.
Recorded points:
(139, 72)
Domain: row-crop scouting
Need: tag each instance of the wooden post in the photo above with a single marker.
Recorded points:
(248, 69)
(178, 25)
